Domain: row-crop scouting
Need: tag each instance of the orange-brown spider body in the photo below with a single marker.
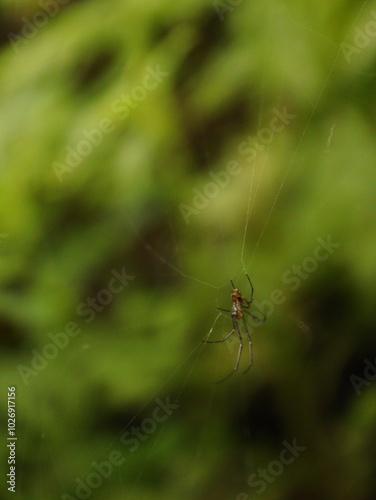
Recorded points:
(237, 308)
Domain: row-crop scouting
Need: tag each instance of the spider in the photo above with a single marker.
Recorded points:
(239, 306)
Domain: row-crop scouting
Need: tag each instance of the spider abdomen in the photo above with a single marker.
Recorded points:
(236, 311)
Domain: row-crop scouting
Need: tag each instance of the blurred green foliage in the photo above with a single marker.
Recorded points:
(66, 228)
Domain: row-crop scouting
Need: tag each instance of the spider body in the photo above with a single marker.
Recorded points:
(239, 307)
(236, 309)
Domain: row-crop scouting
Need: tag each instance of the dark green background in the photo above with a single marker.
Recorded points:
(119, 209)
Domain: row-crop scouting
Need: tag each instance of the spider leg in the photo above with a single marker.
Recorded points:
(252, 289)
(217, 341)
(236, 326)
(250, 346)
(259, 320)
(226, 310)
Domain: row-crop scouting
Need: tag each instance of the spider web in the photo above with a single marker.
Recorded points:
(243, 264)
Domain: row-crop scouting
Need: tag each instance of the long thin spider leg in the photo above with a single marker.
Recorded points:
(259, 320)
(246, 306)
(236, 326)
(250, 282)
(250, 346)
(217, 341)
(226, 310)
(232, 283)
